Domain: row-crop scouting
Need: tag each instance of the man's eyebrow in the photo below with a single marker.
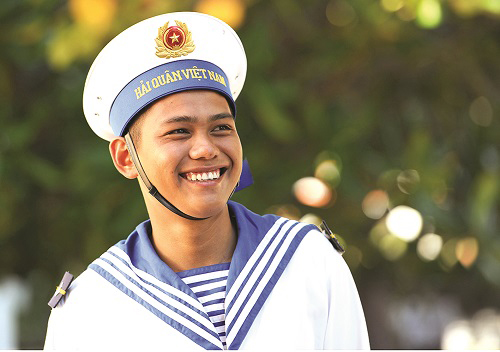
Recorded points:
(223, 115)
(183, 118)
(193, 119)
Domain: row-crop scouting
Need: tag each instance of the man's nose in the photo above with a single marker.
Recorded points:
(203, 148)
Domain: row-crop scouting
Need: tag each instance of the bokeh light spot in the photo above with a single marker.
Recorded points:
(68, 44)
(465, 7)
(340, 13)
(378, 232)
(457, 335)
(288, 211)
(492, 6)
(311, 219)
(230, 11)
(313, 192)
(448, 256)
(482, 332)
(429, 13)
(404, 222)
(466, 251)
(392, 247)
(429, 246)
(408, 181)
(328, 171)
(392, 5)
(95, 15)
(375, 204)
(481, 112)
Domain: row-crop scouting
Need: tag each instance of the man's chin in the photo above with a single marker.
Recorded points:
(203, 209)
(208, 210)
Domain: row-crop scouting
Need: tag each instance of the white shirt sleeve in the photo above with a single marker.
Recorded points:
(95, 315)
(50, 337)
(346, 327)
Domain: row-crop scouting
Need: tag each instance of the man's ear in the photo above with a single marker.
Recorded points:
(121, 158)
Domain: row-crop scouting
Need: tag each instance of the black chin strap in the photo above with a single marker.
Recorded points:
(152, 189)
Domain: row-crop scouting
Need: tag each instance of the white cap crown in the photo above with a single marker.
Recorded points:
(160, 56)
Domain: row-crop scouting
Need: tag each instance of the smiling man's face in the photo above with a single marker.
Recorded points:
(190, 150)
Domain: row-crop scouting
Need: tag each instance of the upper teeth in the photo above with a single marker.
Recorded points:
(203, 176)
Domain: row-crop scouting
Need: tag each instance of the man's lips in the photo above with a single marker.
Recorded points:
(205, 175)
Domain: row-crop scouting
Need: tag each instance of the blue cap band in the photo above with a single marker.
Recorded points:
(160, 81)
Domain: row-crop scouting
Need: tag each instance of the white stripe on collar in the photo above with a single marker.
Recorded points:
(248, 266)
(196, 323)
(263, 269)
(146, 277)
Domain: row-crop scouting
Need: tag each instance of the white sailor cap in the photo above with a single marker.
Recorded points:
(159, 56)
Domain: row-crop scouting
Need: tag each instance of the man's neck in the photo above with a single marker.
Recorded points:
(187, 244)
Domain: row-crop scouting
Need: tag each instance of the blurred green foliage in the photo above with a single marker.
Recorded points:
(387, 89)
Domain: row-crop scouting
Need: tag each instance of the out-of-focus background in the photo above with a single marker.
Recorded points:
(380, 116)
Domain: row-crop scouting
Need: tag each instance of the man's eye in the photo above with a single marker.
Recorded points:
(223, 128)
(178, 131)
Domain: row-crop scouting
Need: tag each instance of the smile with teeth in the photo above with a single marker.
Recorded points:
(203, 176)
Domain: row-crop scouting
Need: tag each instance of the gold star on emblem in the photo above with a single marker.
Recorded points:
(174, 38)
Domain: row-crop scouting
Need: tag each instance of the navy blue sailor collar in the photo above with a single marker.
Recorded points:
(264, 247)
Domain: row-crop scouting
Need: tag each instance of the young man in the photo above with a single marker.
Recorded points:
(203, 272)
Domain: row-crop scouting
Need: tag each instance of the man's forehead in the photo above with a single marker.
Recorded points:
(196, 119)
(203, 102)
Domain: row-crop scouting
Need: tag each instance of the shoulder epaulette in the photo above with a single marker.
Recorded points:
(331, 237)
(61, 290)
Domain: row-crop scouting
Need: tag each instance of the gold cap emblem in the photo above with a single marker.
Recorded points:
(174, 41)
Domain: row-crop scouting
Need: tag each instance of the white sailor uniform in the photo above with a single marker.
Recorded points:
(285, 288)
